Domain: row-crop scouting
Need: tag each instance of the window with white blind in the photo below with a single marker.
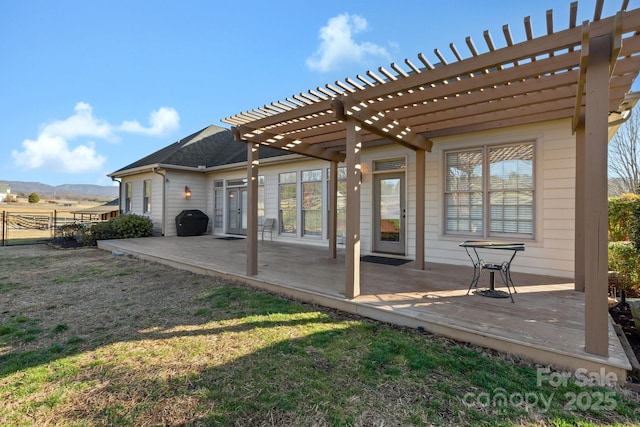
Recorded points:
(146, 196)
(312, 203)
(288, 202)
(218, 204)
(128, 192)
(341, 203)
(260, 199)
(489, 191)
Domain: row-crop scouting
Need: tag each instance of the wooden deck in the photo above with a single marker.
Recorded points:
(545, 324)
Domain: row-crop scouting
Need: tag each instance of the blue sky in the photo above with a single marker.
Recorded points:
(89, 87)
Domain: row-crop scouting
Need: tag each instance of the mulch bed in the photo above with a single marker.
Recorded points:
(621, 314)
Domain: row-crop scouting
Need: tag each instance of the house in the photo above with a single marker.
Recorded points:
(509, 144)
(196, 172)
(5, 192)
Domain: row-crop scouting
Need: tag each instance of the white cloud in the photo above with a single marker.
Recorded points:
(82, 123)
(337, 45)
(162, 121)
(52, 150)
(53, 153)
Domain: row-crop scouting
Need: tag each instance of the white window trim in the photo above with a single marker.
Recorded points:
(146, 197)
(128, 200)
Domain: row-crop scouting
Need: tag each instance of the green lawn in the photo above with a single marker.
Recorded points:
(87, 338)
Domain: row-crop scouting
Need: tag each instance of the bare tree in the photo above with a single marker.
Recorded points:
(624, 157)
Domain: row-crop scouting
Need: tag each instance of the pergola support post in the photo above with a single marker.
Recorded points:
(252, 209)
(581, 207)
(352, 249)
(333, 208)
(420, 201)
(595, 214)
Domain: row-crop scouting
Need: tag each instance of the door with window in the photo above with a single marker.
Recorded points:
(389, 213)
(237, 211)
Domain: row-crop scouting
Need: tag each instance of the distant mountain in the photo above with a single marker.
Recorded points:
(65, 191)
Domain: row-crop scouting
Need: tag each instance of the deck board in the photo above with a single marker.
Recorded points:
(545, 324)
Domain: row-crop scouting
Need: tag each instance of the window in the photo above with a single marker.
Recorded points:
(260, 199)
(288, 203)
(146, 196)
(341, 203)
(511, 190)
(389, 165)
(236, 182)
(128, 191)
(312, 202)
(489, 191)
(218, 204)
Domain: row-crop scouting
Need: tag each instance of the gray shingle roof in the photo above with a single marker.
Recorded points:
(211, 146)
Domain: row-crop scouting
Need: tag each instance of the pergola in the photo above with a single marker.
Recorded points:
(582, 73)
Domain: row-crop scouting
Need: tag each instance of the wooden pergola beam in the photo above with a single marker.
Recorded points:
(458, 108)
(494, 114)
(377, 122)
(430, 125)
(500, 122)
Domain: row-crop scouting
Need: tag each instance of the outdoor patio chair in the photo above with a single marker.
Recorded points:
(267, 227)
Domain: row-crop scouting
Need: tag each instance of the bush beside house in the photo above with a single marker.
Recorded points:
(121, 227)
(624, 242)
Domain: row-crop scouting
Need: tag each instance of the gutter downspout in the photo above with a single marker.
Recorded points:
(164, 198)
(119, 193)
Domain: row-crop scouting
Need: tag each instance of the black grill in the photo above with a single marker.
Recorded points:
(191, 223)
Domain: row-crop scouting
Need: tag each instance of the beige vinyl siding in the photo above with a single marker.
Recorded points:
(137, 197)
(551, 251)
(176, 201)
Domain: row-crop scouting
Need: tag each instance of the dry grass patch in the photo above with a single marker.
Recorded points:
(88, 338)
